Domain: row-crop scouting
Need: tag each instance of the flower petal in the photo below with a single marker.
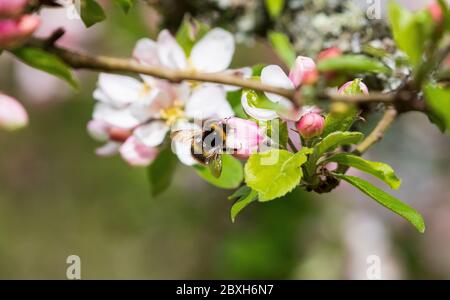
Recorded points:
(213, 53)
(146, 52)
(137, 154)
(122, 118)
(170, 54)
(294, 136)
(149, 105)
(183, 148)
(208, 102)
(98, 130)
(152, 134)
(257, 113)
(275, 76)
(108, 149)
(118, 90)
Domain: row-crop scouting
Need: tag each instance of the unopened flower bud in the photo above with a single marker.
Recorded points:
(14, 32)
(326, 54)
(311, 125)
(436, 12)
(12, 8)
(12, 114)
(329, 53)
(304, 71)
(243, 136)
(347, 88)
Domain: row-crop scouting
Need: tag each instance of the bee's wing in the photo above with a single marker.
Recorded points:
(184, 136)
(214, 162)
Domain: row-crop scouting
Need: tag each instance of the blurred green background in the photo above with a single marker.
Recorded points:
(57, 198)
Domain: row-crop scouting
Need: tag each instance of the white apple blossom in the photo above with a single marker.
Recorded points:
(147, 110)
(275, 76)
(211, 54)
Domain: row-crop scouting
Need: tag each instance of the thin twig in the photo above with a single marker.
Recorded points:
(378, 132)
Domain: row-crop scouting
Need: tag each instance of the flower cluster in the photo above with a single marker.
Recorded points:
(134, 117)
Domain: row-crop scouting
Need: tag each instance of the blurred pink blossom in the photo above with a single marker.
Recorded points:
(13, 32)
(76, 37)
(12, 114)
(436, 12)
(12, 8)
(304, 71)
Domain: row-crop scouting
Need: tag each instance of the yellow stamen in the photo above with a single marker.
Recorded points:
(173, 113)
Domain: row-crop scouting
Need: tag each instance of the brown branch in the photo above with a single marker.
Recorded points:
(78, 60)
(373, 97)
(120, 65)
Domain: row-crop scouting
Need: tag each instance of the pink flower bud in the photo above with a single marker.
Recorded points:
(311, 125)
(12, 114)
(436, 12)
(14, 32)
(304, 71)
(345, 88)
(12, 8)
(329, 53)
(243, 136)
(136, 153)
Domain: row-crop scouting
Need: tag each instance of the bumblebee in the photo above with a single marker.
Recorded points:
(207, 144)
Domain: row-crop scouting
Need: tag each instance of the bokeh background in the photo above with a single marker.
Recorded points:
(57, 198)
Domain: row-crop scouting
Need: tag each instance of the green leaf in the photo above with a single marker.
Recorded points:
(275, 173)
(330, 143)
(283, 47)
(232, 173)
(274, 8)
(387, 201)
(277, 131)
(380, 170)
(243, 196)
(257, 69)
(352, 64)
(47, 62)
(161, 171)
(234, 98)
(258, 99)
(190, 31)
(410, 30)
(336, 139)
(125, 5)
(341, 118)
(446, 13)
(91, 12)
(438, 99)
